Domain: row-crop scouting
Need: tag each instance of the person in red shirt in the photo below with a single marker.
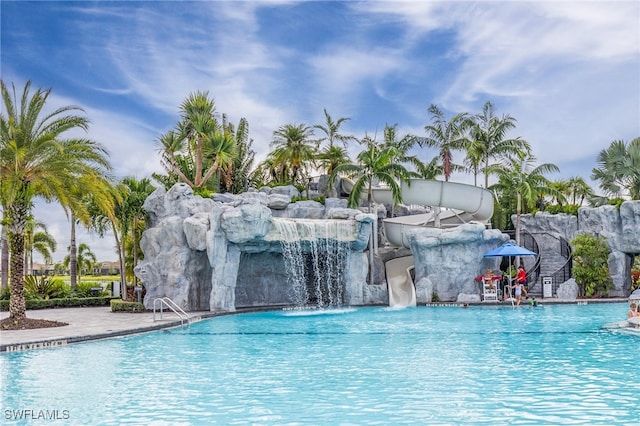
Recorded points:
(521, 280)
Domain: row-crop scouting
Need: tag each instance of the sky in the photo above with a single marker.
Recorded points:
(568, 72)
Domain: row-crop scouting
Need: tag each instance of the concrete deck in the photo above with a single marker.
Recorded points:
(86, 324)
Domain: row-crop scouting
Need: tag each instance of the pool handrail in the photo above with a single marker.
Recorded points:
(171, 305)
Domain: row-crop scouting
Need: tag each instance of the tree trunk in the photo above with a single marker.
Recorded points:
(4, 261)
(135, 249)
(73, 255)
(17, 214)
(123, 277)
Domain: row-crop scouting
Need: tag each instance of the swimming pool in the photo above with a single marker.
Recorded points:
(551, 364)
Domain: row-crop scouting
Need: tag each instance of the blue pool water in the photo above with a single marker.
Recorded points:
(365, 366)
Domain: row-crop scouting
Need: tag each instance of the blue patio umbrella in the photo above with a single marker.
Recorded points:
(511, 250)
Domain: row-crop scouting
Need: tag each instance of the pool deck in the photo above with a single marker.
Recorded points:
(86, 324)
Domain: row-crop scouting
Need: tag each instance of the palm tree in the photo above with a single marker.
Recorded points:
(619, 171)
(487, 141)
(4, 258)
(237, 175)
(374, 163)
(579, 190)
(132, 214)
(36, 161)
(331, 130)
(199, 137)
(446, 136)
(85, 257)
(37, 239)
(294, 151)
(522, 179)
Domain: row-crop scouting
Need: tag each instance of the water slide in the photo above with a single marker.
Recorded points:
(462, 203)
(402, 292)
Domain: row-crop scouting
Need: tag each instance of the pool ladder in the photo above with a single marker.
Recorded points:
(165, 301)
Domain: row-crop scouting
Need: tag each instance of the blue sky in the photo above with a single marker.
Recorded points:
(569, 72)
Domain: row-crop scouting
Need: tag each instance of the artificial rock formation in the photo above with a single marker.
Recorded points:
(221, 253)
(448, 260)
(620, 228)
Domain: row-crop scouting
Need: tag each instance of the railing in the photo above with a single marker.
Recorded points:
(165, 301)
(564, 272)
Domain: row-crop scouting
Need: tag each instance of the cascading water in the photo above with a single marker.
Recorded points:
(315, 253)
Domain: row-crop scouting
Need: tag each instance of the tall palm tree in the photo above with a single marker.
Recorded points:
(447, 136)
(487, 140)
(133, 215)
(86, 259)
(522, 179)
(200, 137)
(331, 157)
(294, 151)
(619, 169)
(237, 174)
(331, 129)
(579, 190)
(375, 163)
(37, 239)
(37, 161)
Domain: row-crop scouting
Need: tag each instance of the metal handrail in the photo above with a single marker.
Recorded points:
(171, 305)
(564, 272)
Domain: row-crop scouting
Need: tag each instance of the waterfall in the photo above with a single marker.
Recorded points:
(315, 254)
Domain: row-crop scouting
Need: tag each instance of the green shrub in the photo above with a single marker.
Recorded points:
(119, 305)
(571, 209)
(590, 267)
(45, 287)
(67, 302)
(83, 289)
(6, 293)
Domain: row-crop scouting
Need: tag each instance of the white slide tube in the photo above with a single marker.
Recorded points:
(472, 202)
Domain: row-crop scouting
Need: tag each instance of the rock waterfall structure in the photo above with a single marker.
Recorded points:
(259, 249)
(233, 251)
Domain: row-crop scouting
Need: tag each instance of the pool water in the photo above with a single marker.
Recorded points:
(367, 366)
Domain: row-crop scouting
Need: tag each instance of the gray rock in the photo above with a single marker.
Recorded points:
(278, 201)
(342, 213)
(227, 198)
(452, 258)
(246, 223)
(307, 209)
(289, 190)
(195, 230)
(568, 290)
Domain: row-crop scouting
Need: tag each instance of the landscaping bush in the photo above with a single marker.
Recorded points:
(67, 302)
(590, 267)
(118, 305)
(83, 289)
(45, 287)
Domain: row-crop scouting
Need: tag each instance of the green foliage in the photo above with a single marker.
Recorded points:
(434, 297)
(616, 202)
(590, 268)
(118, 305)
(83, 289)
(44, 287)
(6, 293)
(635, 279)
(67, 302)
(203, 192)
(320, 199)
(567, 209)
